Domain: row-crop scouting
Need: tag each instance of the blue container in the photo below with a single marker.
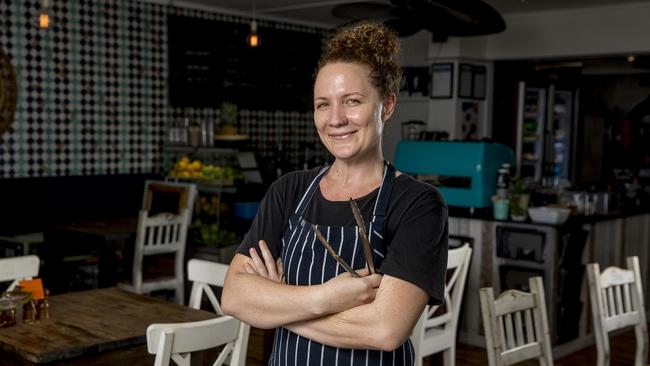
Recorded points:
(246, 210)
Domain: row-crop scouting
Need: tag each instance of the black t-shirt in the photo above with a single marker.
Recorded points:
(415, 229)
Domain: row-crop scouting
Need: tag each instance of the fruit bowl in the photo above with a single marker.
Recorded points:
(549, 215)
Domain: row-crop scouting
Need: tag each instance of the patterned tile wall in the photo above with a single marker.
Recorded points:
(92, 91)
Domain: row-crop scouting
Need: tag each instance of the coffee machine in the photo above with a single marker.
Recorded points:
(464, 172)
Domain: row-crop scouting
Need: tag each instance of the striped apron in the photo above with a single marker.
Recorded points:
(307, 263)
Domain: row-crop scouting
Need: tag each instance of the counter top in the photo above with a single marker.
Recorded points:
(574, 220)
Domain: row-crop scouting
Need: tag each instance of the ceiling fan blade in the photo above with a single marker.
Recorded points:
(364, 10)
(404, 27)
(452, 17)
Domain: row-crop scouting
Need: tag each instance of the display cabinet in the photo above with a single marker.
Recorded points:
(225, 178)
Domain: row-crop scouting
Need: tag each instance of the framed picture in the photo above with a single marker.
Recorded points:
(415, 81)
(478, 82)
(442, 80)
(465, 81)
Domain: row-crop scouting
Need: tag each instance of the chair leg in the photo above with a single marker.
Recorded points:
(179, 294)
(449, 356)
(602, 350)
(641, 356)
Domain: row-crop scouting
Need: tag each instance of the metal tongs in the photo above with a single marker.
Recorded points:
(364, 241)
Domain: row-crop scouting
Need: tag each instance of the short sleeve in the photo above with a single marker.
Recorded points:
(275, 209)
(418, 242)
(269, 222)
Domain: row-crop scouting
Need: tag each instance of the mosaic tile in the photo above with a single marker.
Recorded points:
(92, 91)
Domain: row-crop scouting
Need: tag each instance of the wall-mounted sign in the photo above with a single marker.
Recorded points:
(442, 80)
(471, 81)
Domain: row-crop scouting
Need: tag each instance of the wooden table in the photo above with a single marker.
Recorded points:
(85, 326)
(104, 238)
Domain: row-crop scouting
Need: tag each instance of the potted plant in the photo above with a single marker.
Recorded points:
(519, 197)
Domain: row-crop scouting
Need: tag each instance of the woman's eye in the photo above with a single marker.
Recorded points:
(321, 105)
(351, 101)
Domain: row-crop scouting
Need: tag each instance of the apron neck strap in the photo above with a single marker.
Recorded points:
(384, 191)
(382, 197)
(309, 193)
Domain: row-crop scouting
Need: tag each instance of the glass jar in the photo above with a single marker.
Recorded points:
(7, 312)
(30, 313)
(44, 307)
(503, 183)
(195, 134)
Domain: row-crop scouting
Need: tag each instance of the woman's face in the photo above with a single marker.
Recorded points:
(348, 111)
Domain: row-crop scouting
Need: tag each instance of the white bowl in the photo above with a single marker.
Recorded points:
(549, 215)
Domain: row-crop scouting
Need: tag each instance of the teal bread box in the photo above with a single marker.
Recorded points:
(465, 172)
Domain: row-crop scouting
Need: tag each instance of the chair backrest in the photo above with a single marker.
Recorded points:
(458, 261)
(203, 274)
(162, 196)
(617, 302)
(176, 341)
(160, 234)
(516, 325)
(18, 268)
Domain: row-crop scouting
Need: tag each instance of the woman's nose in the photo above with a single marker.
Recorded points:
(338, 117)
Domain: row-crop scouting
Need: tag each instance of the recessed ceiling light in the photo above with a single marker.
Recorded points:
(631, 58)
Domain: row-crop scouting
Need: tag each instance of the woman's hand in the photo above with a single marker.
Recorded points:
(344, 292)
(265, 266)
(341, 292)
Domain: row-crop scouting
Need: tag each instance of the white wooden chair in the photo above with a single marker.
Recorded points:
(434, 331)
(159, 234)
(18, 268)
(616, 303)
(185, 194)
(516, 325)
(176, 341)
(204, 274)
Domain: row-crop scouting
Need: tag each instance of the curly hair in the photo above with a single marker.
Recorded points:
(370, 44)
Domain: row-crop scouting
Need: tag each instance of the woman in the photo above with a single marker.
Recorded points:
(324, 315)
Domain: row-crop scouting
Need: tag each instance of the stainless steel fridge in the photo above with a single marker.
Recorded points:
(546, 128)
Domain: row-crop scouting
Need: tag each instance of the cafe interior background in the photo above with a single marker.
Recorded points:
(104, 101)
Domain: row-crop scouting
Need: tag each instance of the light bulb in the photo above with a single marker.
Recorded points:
(44, 20)
(253, 38)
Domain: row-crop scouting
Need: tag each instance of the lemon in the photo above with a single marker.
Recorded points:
(196, 165)
(184, 158)
(184, 173)
(182, 165)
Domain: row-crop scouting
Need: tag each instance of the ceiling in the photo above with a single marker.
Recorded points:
(318, 12)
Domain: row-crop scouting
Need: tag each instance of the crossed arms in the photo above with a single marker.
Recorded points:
(371, 312)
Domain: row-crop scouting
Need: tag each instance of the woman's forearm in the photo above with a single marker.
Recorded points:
(383, 324)
(267, 303)
(349, 329)
(264, 303)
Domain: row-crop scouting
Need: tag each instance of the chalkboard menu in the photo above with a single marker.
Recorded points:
(210, 62)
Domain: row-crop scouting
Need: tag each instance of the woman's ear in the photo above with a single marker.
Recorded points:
(389, 107)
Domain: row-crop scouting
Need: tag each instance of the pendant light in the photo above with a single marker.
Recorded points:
(253, 40)
(44, 18)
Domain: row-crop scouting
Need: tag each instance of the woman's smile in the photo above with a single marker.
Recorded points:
(342, 135)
